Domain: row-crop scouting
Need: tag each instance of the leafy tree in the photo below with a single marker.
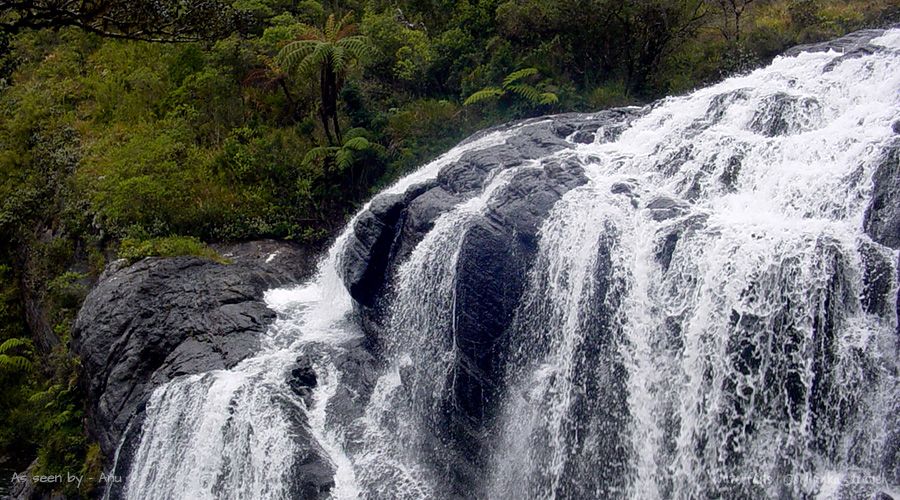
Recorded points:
(650, 31)
(732, 13)
(329, 51)
(151, 20)
(513, 86)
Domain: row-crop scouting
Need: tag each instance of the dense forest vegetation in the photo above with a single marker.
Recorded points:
(126, 132)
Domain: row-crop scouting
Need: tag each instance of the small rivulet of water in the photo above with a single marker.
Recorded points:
(697, 323)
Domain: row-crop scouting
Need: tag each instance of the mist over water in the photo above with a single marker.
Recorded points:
(699, 321)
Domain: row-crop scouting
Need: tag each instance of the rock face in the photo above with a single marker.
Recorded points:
(392, 226)
(496, 253)
(856, 42)
(882, 221)
(144, 324)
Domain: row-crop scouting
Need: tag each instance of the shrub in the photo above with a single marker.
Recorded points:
(610, 95)
(134, 250)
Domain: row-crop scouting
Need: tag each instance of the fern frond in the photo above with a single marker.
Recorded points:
(548, 98)
(293, 53)
(357, 46)
(483, 95)
(315, 155)
(346, 30)
(338, 59)
(14, 363)
(14, 343)
(344, 159)
(316, 59)
(356, 132)
(312, 33)
(526, 92)
(518, 75)
(345, 27)
(330, 28)
(357, 144)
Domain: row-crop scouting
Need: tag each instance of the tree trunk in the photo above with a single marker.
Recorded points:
(333, 98)
(324, 112)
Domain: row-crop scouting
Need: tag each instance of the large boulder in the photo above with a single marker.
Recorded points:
(385, 234)
(496, 252)
(157, 319)
(494, 259)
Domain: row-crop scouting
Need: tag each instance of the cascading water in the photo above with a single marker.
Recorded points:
(699, 321)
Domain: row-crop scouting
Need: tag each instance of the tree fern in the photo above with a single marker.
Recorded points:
(327, 53)
(343, 159)
(512, 85)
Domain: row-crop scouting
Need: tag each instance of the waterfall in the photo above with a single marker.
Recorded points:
(233, 433)
(698, 321)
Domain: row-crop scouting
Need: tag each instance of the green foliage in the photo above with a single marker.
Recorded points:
(610, 95)
(67, 289)
(405, 51)
(134, 250)
(513, 85)
(58, 412)
(10, 362)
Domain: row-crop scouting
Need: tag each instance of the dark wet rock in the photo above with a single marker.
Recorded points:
(495, 256)
(313, 475)
(384, 235)
(882, 220)
(784, 114)
(667, 249)
(622, 188)
(663, 207)
(896, 127)
(303, 379)
(368, 252)
(628, 189)
(671, 235)
(312, 472)
(673, 162)
(158, 319)
(849, 44)
(421, 215)
(865, 50)
(605, 126)
(719, 104)
(732, 171)
(599, 415)
(852, 46)
(877, 279)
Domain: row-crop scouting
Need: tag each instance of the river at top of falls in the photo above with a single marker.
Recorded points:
(723, 352)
